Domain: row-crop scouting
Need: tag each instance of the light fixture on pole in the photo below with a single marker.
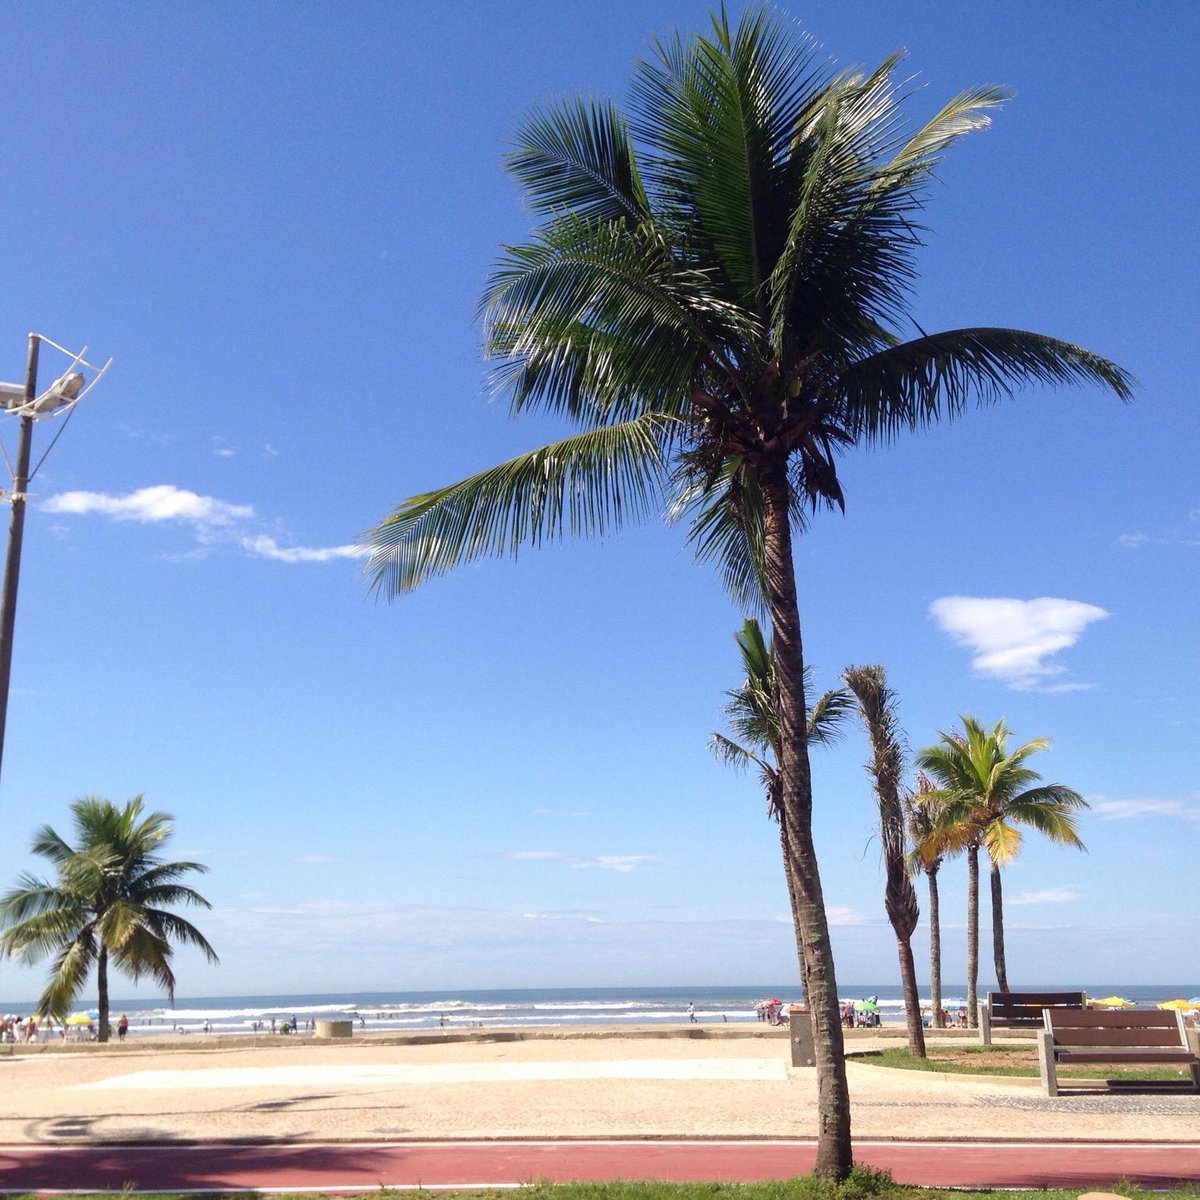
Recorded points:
(24, 401)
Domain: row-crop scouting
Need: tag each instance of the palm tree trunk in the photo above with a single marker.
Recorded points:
(794, 901)
(912, 998)
(998, 929)
(973, 936)
(834, 1158)
(102, 988)
(935, 951)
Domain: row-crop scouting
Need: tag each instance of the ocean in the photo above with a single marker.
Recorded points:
(400, 1012)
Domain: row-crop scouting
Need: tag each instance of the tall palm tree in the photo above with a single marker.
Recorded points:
(109, 904)
(929, 848)
(986, 792)
(877, 707)
(714, 301)
(753, 714)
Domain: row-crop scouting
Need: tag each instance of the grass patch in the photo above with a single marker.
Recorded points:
(1007, 1060)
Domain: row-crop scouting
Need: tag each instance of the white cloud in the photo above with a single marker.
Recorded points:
(1133, 808)
(617, 862)
(841, 916)
(1061, 895)
(267, 547)
(292, 944)
(163, 502)
(1012, 639)
(212, 521)
(603, 862)
(1135, 541)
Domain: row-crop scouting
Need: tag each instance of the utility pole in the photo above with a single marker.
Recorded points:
(16, 535)
(29, 407)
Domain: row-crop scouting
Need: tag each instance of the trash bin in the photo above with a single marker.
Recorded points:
(801, 1036)
(333, 1029)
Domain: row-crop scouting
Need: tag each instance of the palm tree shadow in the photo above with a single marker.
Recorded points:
(179, 1164)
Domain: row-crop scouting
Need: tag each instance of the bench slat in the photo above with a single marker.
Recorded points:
(1113, 1055)
(1109, 1019)
(1003, 1001)
(1115, 1037)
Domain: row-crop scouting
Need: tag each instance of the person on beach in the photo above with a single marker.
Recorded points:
(122, 1027)
(692, 1013)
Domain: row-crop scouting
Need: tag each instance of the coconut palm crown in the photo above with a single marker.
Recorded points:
(111, 903)
(717, 302)
(984, 793)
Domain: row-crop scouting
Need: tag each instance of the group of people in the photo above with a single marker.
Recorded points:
(770, 1011)
(16, 1029)
(864, 1015)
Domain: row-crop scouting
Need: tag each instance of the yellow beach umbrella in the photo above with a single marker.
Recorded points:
(80, 1019)
(1183, 1005)
(1110, 1002)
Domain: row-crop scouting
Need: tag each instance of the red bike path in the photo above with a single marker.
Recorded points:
(350, 1166)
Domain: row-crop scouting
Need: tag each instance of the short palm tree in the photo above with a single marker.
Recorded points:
(877, 707)
(985, 792)
(715, 301)
(110, 903)
(753, 714)
(929, 847)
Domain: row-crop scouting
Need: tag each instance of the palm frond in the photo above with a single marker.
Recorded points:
(590, 483)
(178, 929)
(578, 155)
(726, 529)
(827, 716)
(914, 384)
(146, 952)
(601, 322)
(717, 114)
(68, 976)
(1002, 841)
(731, 754)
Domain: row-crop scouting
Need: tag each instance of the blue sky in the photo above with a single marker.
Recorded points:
(278, 219)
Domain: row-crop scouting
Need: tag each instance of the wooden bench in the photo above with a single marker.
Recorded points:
(1021, 1010)
(1135, 1036)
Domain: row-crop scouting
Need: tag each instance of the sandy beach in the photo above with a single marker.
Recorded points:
(607, 1082)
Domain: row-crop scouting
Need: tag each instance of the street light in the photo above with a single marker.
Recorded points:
(23, 401)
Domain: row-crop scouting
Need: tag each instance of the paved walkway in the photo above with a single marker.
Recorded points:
(302, 1113)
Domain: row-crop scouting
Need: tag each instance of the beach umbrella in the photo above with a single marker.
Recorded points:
(866, 1005)
(1110, 1002)
(1182, 1005)
(774, 1000)
(80, 1019)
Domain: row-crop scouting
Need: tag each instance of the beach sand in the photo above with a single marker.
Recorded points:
(603, 1083)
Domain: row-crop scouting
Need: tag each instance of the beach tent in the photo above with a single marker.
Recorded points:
(1110, 1002)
